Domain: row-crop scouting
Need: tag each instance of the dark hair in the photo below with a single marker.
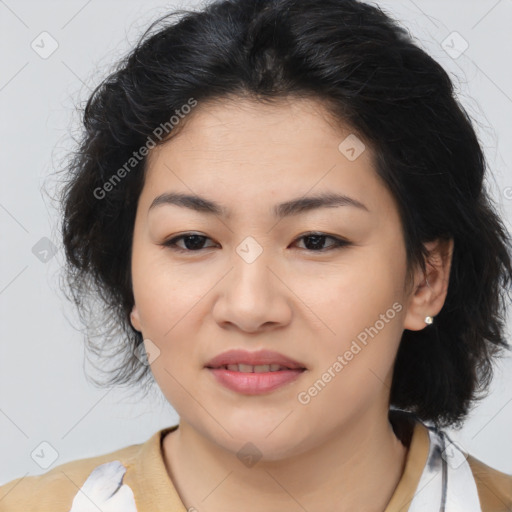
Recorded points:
(371, 75)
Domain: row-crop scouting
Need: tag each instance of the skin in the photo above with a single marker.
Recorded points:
(338, 452)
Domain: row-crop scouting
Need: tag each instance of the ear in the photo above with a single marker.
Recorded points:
(134, 318)
(429, 291)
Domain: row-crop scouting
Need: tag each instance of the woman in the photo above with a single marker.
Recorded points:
(281, 204)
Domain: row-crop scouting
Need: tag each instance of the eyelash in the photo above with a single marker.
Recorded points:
(338, 242)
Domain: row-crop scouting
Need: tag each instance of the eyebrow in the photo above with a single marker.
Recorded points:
(293, 207)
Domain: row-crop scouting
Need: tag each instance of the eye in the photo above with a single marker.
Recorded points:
(314, 242)
(192, 241)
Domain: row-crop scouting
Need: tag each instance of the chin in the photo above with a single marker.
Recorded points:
(258, 446)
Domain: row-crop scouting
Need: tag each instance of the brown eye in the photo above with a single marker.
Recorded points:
(191, 241)
(315, 242)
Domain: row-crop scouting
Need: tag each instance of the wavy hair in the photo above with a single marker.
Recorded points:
(371, 75)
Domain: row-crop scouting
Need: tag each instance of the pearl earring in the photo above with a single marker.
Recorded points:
(429, 320)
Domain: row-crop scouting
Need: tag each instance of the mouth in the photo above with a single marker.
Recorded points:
(259, 368)
(254, 362)
(254, 373)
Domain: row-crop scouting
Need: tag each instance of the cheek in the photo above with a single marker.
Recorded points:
(354, 365)
(350, 296)
(164, 293)
(362, 307)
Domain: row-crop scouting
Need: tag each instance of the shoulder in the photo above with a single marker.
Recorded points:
(55, 490)
(466, 482)
(494, 487)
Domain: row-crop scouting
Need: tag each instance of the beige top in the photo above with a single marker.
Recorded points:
(153, 490)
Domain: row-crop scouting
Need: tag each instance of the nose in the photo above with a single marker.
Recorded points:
(253, 297)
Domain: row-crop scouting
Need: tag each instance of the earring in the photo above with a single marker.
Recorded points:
(429, 320)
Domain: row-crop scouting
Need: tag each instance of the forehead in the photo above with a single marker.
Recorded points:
(243, 124)
(279, 150)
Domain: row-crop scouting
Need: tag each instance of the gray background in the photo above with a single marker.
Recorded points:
(44, 396)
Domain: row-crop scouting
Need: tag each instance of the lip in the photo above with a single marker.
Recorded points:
(254, 358)
(257, 383)
(254, 383)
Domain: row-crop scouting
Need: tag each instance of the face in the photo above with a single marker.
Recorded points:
(322, 286)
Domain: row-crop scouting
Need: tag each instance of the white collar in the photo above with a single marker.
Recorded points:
(447, 482)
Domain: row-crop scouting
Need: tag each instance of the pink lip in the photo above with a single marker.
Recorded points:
(254, 383)
(253, 358)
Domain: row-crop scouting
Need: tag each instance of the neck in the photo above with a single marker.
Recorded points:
(357, 468)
